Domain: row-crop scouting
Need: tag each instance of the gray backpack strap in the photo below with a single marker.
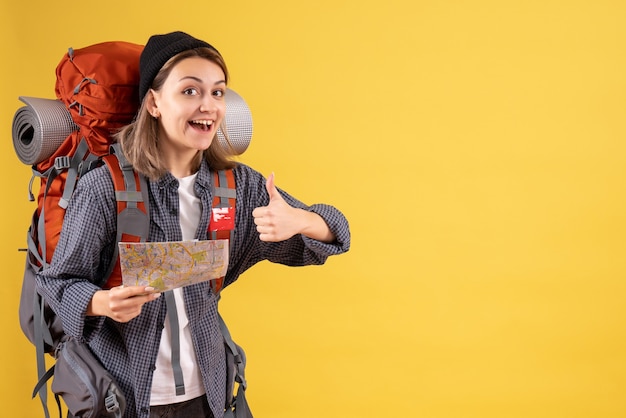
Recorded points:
(237, 405)
(39, 337)
(175, 328)
(75, 166)
(60, 164)
(131, 220)
(240, 359)
(43, 336)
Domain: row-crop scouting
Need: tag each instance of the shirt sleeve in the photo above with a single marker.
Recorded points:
(338, 225)
(82, 254)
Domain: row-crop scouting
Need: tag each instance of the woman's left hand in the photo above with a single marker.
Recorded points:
(277, 221)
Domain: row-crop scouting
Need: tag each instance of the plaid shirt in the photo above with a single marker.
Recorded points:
(129, 350)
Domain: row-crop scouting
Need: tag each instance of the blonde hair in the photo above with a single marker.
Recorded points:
(139, 139)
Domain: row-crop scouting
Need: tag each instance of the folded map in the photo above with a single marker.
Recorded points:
(168, 265)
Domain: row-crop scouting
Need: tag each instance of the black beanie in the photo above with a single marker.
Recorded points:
(158, 50)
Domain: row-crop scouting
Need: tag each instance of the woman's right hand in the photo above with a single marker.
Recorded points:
(121, 303)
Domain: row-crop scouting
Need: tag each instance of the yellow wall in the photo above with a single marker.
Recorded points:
(477, 148)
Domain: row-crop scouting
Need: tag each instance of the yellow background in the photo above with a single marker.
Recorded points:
(477, 148)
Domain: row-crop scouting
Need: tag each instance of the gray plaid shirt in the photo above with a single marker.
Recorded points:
(129, 350)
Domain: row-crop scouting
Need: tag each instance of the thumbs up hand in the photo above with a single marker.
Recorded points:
(277, 221)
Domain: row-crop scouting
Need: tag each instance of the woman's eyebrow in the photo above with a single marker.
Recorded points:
(199, 80)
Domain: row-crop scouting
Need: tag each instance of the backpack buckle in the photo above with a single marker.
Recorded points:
(57, 349)
(61, 163)
(86, 166)
(111, 404)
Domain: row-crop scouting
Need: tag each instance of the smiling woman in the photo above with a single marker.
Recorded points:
(167, 354)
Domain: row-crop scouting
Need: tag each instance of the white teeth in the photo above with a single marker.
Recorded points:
(203, 122)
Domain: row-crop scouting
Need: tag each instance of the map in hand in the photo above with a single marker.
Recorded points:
(169, 265)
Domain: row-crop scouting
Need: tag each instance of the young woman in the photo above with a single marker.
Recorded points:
(172, 143)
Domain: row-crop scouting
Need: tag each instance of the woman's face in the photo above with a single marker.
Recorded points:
(190, 107)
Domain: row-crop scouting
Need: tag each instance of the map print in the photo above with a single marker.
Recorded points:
(168, 265)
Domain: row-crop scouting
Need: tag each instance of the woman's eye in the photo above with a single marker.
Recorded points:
(190, 91)
(218, 93)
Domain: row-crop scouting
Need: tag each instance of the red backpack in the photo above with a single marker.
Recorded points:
(99, 87)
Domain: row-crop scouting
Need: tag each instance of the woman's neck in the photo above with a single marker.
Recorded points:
(181, 165)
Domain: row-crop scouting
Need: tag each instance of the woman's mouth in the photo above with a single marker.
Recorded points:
(202, 124)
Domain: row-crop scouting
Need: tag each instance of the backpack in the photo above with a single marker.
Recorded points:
(97, 93)
(97, 86)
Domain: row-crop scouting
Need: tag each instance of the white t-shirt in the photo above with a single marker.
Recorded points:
(163, 390)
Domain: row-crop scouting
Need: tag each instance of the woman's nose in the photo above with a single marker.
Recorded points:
(208, 104)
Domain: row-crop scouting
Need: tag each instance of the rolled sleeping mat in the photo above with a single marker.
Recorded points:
(41, 126)
(238, 121)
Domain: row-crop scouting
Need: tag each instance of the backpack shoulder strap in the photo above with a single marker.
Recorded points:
(133, 215)
(72, 167)
(236, 404)
(222, 226)
(222, 222)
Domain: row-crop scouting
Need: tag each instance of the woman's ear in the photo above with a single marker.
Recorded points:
(151, 104)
